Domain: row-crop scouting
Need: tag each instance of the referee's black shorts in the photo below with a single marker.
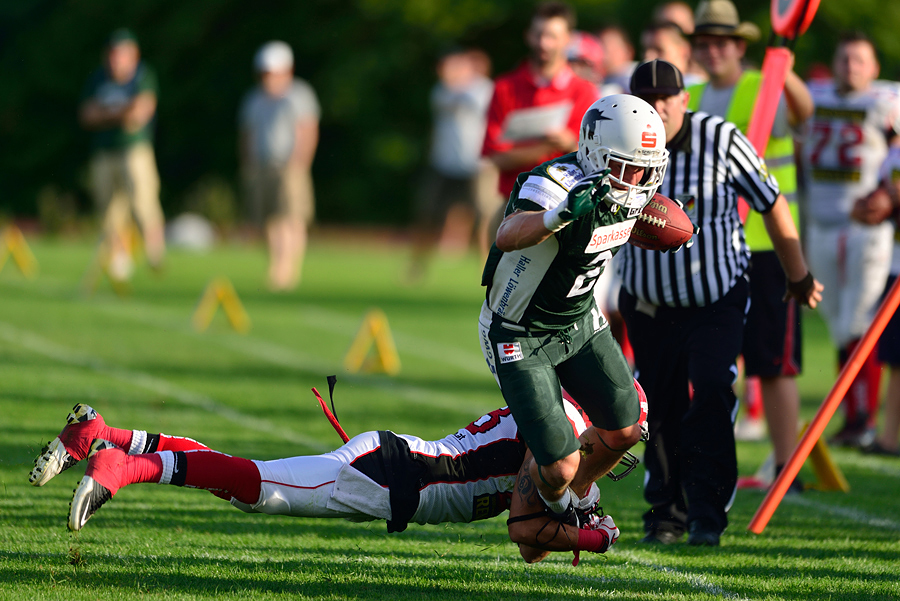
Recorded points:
(772, 337)
(889, 343)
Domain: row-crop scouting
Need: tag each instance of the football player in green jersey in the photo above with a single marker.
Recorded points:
(540, 326)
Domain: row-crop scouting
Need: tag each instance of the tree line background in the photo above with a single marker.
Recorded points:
(371, 63)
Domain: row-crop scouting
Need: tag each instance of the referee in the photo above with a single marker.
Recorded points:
(685, 311)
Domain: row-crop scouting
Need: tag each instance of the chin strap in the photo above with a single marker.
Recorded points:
(328, 412)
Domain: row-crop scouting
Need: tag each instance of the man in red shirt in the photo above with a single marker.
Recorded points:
(536, 109)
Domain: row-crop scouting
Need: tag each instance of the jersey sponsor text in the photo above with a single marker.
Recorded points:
(610, 236)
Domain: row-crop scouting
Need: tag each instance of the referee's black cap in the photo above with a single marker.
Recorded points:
(656, 78)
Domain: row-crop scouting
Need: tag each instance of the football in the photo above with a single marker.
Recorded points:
(661, 225)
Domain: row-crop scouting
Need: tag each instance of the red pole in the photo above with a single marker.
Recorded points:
(776, 65)
(829, 406)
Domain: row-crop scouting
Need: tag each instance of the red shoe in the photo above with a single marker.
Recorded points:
(83, 425)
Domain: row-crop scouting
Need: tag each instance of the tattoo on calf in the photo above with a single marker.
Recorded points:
(587, 448)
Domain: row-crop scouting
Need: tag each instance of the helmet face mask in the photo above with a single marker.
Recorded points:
(622, 131)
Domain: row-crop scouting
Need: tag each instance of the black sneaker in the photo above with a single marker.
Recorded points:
(796, 486)
(661, 537)
(702, 533)
(850, 435)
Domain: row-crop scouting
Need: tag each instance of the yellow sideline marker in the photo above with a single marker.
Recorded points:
(220, 291)
(12, 242)
(374, 331)
(829, 475)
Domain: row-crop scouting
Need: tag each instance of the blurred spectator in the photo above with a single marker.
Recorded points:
(856, 119)
(676, 12)
(118, 106)
(449, 194)
(279, 132)
(874, 209)
(618, 59)
(666, 41)
(585, 55)
(772, 348)
(535, 112)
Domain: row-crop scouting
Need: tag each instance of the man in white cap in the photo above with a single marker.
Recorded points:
(279, 132)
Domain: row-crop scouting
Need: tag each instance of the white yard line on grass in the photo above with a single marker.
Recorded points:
(880, 465)
(313, 316)
(847, 513)
(43, 346)
(291, 358)
(697, 581)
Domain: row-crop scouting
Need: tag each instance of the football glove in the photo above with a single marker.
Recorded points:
(581, 200)
(690, 242)
(607, 525)
(601, 534)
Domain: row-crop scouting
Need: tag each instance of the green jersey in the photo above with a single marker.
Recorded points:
(101, 88)
(549, 285)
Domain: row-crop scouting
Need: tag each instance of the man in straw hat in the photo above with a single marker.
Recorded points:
(772, 340)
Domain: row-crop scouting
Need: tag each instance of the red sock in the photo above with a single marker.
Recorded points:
(217, 472)
(595, 541)
(850, 400)
(117, 436)
(861, 401)
(871, 371)
(753, 397)
(114, 469)
(179, 443)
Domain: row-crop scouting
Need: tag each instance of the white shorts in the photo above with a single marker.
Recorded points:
(323, 485)
(852, 262)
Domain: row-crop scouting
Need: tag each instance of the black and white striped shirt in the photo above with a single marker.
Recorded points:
(711, 164)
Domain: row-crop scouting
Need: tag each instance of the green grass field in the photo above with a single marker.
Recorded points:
(139, 362)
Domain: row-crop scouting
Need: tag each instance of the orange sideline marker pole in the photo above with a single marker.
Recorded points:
(827, 409)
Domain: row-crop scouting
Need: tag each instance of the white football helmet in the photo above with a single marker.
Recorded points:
(626, 129)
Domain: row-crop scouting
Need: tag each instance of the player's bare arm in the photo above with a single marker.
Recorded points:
(528, 228)
(520, 532)
(783, 233)
(522, 229)
(537, 534)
